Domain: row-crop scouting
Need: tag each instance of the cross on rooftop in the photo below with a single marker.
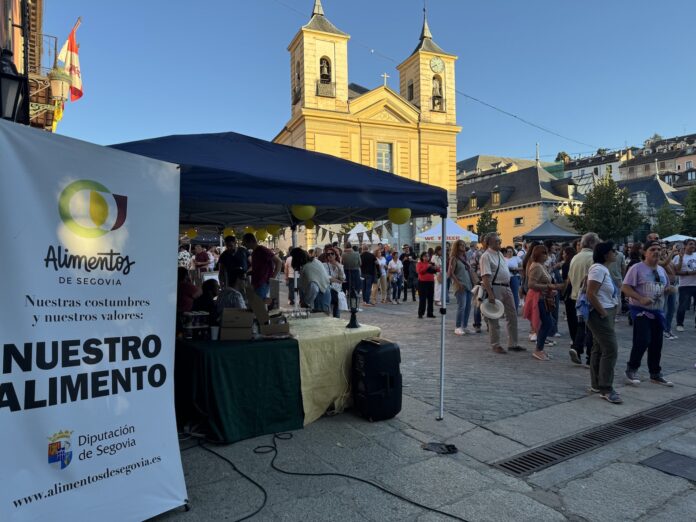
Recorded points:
(385, 76)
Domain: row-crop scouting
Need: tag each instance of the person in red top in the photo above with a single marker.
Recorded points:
(264, 265)
(426, 284)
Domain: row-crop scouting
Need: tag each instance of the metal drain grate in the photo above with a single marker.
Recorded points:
(564, 449)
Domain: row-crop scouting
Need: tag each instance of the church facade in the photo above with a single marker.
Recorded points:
(411, 133)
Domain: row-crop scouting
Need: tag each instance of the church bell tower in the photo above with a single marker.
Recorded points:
(319, 65)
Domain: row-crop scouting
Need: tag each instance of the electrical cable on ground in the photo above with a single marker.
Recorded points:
(273, 448)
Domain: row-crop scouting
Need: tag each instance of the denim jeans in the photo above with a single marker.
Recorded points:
(670, 307)
(291, 290)
(477, 317)
(515, 289)
(554, 315)
(686, 293)
(368, 279)
(546, 325)
(463, 308)
(647, 335)
(317, 300)
(353, 280)
(262, 291)
(396, 283)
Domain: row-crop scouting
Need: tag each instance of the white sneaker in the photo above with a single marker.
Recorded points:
(532, 338)
(680, 328)
(557, 334)
(470, 330)
(458, 331)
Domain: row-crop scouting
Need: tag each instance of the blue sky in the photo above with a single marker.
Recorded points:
(601, 72)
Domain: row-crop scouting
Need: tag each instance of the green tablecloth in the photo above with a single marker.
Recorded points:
(238, 390)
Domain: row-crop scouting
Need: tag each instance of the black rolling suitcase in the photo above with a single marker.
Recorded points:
(376, 379)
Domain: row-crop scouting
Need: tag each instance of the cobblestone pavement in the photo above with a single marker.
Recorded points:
(481, 386)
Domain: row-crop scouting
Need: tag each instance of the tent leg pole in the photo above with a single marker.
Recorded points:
(443, 312)
(295, 297)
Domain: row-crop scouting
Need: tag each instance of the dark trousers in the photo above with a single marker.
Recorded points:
(412, 284)
(353, 281)
(686, 293)
(583, 339)
(546, 325)
(605, 350)
(426, 290)
(368, 279)
(648, 334)
(571, 317)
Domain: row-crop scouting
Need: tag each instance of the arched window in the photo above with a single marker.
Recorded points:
(298, 78)
(409, 90)
(438, 97)
(324, 70)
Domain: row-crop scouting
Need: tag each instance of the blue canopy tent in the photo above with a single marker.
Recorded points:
(233, 179)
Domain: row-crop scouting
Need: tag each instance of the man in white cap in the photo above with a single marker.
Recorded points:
(495, 279)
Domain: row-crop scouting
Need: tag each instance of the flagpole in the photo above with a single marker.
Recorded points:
(77, 24)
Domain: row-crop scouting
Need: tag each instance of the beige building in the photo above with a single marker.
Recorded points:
(411, 133)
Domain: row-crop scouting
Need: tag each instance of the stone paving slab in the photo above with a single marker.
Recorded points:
(499, 506)
(620, 492)
(486, 446)
(681, 508)
(684, 444)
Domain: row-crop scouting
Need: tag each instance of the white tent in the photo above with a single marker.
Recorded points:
(454, 233)
(360, 229)
(676, 237)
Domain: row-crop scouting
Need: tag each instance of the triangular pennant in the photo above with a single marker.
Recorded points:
(323, 234)
(388, 228)
(369, 235)
(282, 233)
(378, 230)
(331, 235)
(360, 237)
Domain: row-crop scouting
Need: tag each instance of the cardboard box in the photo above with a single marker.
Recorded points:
(237, 318)
(278, 324)
(236, 334)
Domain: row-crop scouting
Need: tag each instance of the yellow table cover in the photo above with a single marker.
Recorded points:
(326, 347)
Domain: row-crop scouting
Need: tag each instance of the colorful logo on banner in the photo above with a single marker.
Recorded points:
(59, 452)
(90, 215)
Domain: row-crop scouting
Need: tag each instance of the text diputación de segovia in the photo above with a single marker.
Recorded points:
(60, 487)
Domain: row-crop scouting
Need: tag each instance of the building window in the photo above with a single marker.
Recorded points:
(473, 203)
(324, 70)
(495, 198)
(646, 167)
(691, 176)
(609, 169)
(662, 165)
(689, 165)
(631, 170)
(470, 228)
(519, 221)
(409, 90)
(384, 157)
(582, 172)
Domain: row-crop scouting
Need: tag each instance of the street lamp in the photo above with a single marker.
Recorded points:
(12, 89)
(353, 305)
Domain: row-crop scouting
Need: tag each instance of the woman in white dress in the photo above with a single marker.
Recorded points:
(437, 261)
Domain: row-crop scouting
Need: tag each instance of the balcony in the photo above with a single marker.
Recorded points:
(438, 104)
(328, 90)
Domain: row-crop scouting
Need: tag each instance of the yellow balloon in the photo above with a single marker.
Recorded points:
(399, 216)
(249, 230)
(229, 231)
(191, 233)
(303, 212)
(261, 234)
(273, 229)
(309, 224)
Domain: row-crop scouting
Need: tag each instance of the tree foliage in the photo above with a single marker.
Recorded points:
(689, 220)
(562, 156)
(608, 211)
(602, 151)
(667, 222)
(486, 223)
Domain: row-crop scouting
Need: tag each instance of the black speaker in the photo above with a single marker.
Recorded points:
(376, 379)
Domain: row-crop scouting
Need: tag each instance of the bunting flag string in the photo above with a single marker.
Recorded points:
(369, 235)
(323, 233)
(388, 228)
(378, 230)
(360, 237)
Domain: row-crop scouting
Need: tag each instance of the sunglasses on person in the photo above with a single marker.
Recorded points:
(331, 254)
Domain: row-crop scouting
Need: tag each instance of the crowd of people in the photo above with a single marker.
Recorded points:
(593, 283)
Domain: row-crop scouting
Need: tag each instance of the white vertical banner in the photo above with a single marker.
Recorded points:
(87, 319)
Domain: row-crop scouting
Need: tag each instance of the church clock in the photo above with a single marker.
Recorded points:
(437, 65)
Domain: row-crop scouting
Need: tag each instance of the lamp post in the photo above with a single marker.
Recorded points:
(13, 90)
(353, 305)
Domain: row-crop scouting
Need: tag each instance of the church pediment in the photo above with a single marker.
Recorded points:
(382, 104)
